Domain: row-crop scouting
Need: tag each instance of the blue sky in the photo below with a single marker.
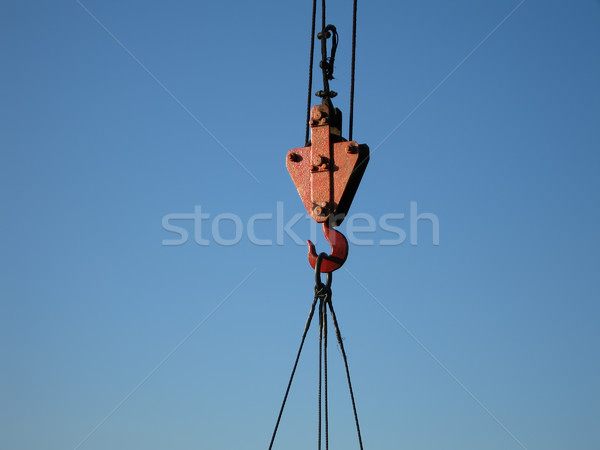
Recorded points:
(117, 114)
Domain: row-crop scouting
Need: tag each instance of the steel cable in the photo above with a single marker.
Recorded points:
(339, 338)
(287, 391)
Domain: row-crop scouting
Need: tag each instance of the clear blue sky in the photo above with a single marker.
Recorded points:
(489, 340)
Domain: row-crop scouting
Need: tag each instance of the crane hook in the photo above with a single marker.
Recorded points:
(339, 250)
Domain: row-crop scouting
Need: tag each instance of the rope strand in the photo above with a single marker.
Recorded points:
(323, 295)
(287, 391)
(339, 339)
(321, 308)
(325, 300)
(310, 70)
(327, 66)
(352, 71)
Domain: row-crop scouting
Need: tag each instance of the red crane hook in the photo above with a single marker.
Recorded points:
(327, 173)
(339, 250)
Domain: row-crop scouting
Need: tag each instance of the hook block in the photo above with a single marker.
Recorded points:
(327, 172)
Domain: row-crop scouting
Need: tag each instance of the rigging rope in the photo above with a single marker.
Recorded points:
(327, 64)
(310, 69)
(287, 391)
(339, 339)
(352, 71)
(323, 371)
(320, 439)
(323, 295)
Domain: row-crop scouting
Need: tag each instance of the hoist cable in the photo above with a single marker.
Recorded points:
(310, 70)
(327, 64)
(352, 71)
(287, 391)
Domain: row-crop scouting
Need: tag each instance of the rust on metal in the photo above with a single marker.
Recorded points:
(328, 171)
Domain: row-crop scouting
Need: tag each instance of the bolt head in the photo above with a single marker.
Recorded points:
(319, 161)
(321, 209)
(352, 149)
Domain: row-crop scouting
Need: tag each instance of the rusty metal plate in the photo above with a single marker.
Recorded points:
(327, 173)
